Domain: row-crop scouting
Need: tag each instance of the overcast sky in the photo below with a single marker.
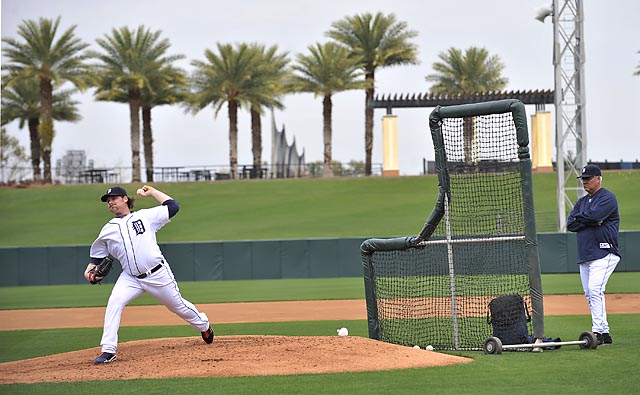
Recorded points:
(506, 28)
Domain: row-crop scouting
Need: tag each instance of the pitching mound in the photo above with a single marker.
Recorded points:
(228, 356)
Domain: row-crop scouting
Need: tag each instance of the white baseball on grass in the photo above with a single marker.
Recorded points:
(416, 347)
(429, 348)
(343, 332)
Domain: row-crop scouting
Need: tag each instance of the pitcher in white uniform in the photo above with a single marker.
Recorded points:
(130, 237)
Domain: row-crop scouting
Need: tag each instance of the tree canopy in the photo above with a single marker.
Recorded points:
(475, 70)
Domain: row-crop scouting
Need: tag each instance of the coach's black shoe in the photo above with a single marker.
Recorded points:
(207, 336)
(599, 338)
(606, 340)
(105, 357)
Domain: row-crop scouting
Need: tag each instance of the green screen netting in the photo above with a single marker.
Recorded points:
(436, 291)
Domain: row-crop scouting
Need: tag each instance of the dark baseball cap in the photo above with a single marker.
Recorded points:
(590, 171)
(114, 191)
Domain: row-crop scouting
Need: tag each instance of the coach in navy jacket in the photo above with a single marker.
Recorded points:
(596, 221)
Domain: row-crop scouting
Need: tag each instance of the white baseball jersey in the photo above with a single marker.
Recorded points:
(132, 240)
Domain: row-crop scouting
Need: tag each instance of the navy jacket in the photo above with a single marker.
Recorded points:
(596, 221)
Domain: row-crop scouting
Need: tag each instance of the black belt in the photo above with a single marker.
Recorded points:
(150, 272)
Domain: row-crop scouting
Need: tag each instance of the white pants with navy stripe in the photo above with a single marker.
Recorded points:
(594, 276)
(162, 286)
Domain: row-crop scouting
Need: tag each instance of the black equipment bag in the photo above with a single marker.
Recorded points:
(509, 317)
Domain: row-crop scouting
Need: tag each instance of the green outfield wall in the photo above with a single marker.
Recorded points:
(263, 259)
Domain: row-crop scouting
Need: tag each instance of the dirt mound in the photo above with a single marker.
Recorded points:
(228, 356)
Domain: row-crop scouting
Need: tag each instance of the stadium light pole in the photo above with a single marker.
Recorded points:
(571, 136)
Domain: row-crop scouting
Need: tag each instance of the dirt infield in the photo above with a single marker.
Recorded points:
(239, 355)
(264, 312)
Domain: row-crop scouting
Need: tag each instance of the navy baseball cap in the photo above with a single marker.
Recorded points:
(590, 171)
(114, 191)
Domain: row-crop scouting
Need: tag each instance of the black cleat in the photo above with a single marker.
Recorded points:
(105, 357)
(599, 338)
(207, 336)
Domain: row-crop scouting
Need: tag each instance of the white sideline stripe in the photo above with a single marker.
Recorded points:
(464, 241)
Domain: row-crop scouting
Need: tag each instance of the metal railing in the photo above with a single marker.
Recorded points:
(193, 173)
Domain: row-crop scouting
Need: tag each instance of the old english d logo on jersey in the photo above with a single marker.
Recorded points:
(138, 227)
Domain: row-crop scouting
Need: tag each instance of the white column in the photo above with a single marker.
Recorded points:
(390, 146)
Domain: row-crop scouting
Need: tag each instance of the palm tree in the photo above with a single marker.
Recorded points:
(471, 72)
(21, 101)
(268, 85)
(225, 77)
(130, 60)
(50, 61)
(168, 86)
(327, 69)
(376, 41)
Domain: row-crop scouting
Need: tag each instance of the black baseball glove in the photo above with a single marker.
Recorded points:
(100, 271)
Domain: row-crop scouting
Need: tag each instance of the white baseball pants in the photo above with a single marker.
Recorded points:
(163, 287)
(594, 276)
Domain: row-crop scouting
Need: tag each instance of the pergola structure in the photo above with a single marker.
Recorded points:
(537, 97)
(428, 100)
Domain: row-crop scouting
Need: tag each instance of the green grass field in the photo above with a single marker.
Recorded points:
(570, 370)
(279, 209)
(267, 209)
(562, 370)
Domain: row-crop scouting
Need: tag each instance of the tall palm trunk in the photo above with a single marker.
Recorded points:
(256, 143)
(368, 123)
(233, 139)
(35, 148)
(45, 129)
(134, 116)
(327, 107)
(147, 140)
